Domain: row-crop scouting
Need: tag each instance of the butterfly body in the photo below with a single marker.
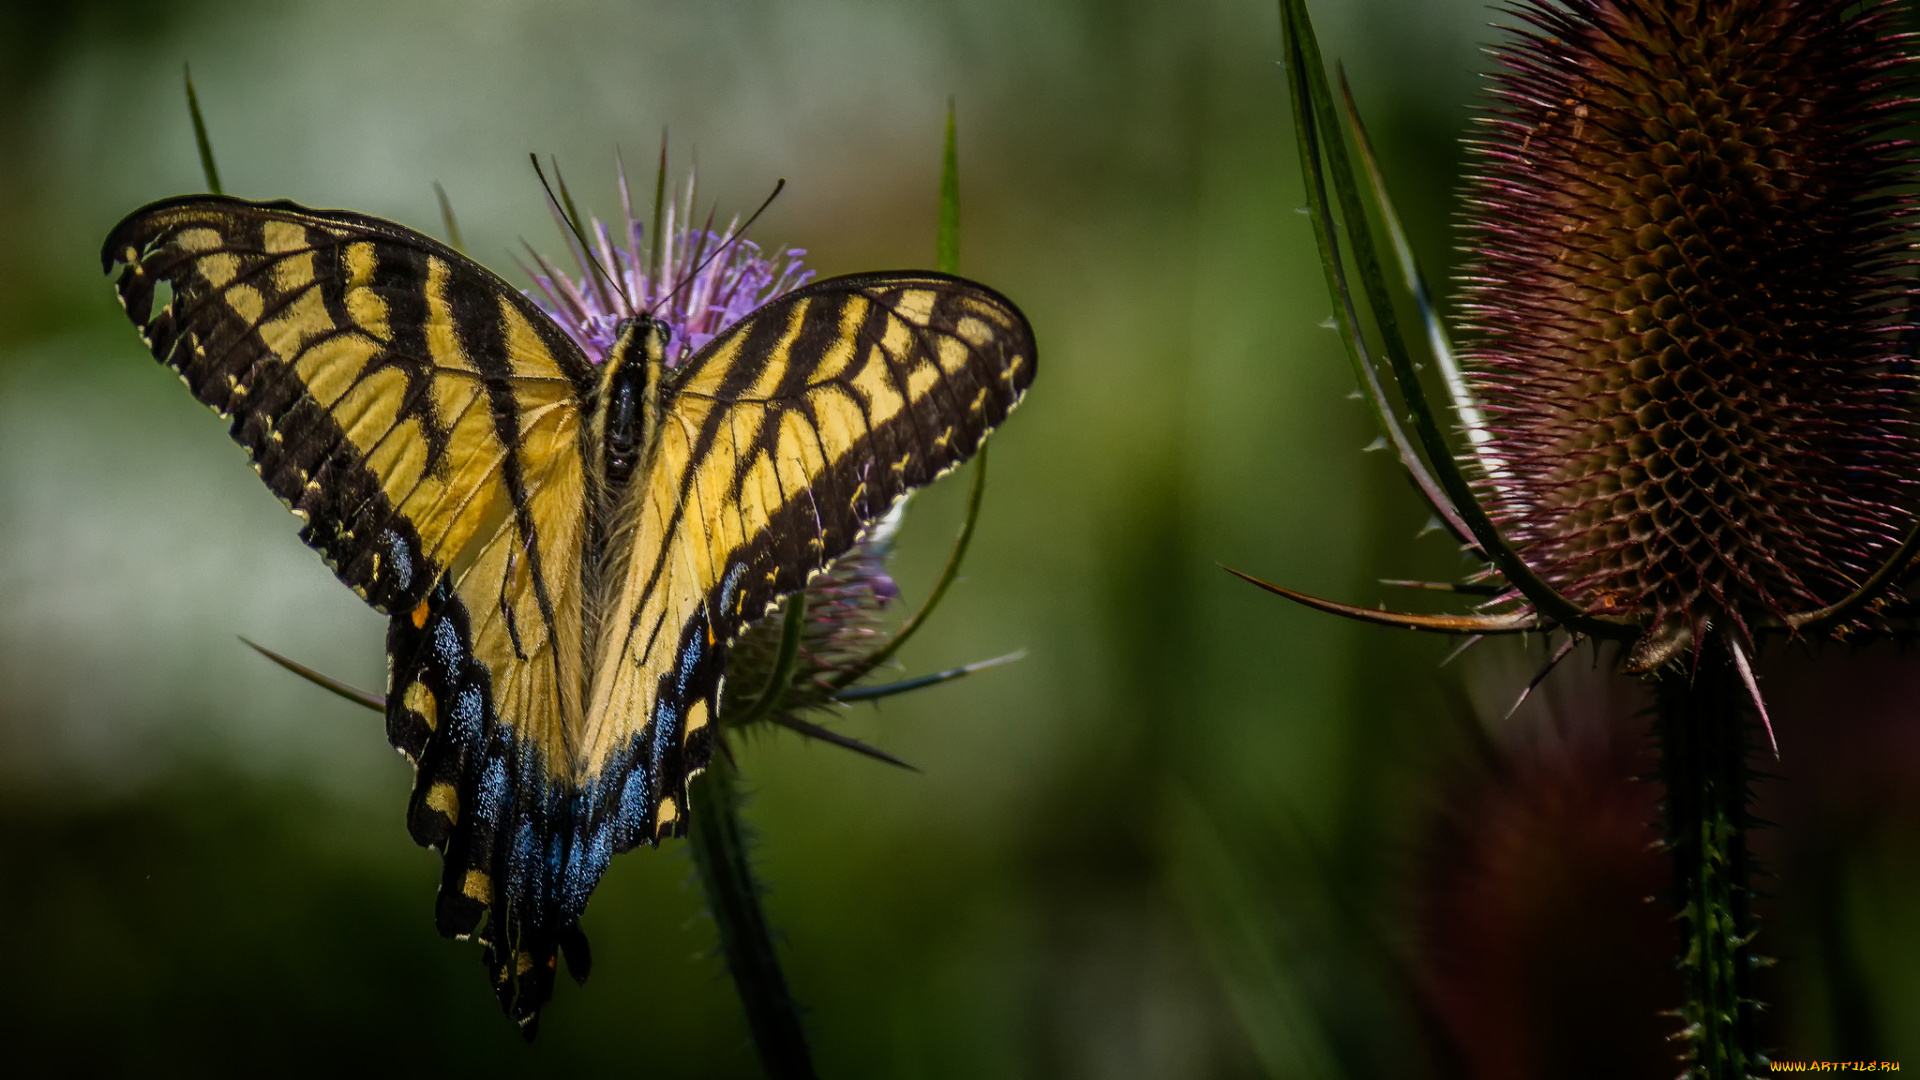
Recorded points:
(566, 545)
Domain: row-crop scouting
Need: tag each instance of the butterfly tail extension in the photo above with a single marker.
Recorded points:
(512, 878)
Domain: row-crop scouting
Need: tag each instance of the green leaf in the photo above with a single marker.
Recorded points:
(1317, 124)
(947, 261)
(875, 693)
(200, 136)
(1346, 313)
(782, 676)
(325, 682)
(659, 238)
(1439, 342)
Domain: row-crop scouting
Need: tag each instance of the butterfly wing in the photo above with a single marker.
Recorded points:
(781, 439)
(424, 418)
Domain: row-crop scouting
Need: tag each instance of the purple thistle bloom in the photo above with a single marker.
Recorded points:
(697, 301)
(704, 282)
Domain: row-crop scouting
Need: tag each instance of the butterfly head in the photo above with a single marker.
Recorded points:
(629, 396)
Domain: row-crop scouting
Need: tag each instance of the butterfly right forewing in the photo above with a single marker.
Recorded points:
(780, 441)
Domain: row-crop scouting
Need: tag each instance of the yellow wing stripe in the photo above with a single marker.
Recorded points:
(367, 308)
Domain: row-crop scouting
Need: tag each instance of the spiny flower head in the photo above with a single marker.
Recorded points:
(699, 282)
(1693, 227)
(843, 626)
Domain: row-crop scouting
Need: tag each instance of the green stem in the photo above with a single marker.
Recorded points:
(1702, 725)
(947, 257)
(733, 896)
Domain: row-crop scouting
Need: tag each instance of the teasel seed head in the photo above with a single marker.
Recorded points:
(1692, 302)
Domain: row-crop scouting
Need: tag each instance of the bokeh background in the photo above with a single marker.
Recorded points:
(1195, 833)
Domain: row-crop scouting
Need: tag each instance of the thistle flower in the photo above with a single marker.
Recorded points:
(841, 630)
(700, 281)
(697, 281)
(1688, 303)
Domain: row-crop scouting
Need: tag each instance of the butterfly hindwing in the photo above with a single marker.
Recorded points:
(783, 438)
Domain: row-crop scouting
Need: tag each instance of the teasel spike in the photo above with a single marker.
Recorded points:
(1512, 623)
(1753, 691)
(1553, 661)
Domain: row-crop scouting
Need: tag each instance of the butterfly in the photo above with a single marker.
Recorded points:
(566, 545)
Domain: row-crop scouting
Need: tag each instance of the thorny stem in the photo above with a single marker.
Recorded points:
(719, 849)
(1702, 724)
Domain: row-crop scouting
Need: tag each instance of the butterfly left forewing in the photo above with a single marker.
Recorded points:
(425, 419)
(781, 439)
(331, 341)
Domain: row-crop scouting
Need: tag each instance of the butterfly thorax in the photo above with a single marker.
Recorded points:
(627, 407)
(623, 422)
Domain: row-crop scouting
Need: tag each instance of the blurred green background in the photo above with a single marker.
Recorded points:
(1196, 833)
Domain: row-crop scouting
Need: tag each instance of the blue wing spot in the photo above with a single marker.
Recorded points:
(666, 727)
(447, 649)
(636, 795)
(490, 801)
(525, 848)
(466, 715)
(590, 862)
(400, 558)
(689, 660)
(729, 586)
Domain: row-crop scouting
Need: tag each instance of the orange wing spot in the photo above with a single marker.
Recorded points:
(420, 615)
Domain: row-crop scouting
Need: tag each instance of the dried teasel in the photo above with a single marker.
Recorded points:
(1689, 308)
(1688, 394)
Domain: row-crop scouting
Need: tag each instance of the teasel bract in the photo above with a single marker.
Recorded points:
(1687, 397)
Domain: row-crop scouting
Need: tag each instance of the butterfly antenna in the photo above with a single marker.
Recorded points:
(572, 217)
(733, 239)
